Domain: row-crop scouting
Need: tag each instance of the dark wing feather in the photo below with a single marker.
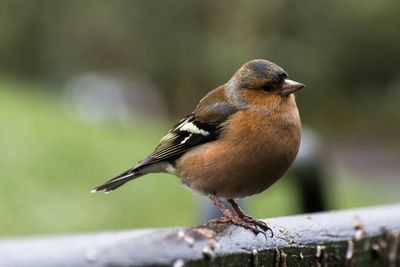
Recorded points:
(188, 133)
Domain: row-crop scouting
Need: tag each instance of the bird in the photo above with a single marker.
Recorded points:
(239, 140)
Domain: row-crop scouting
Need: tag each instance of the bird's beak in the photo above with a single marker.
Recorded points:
(289, 87)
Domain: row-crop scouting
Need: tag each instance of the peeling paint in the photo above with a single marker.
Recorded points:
(349, 253)
(179, 263)
(181, 234)
(277, 257)
(382, 245)
(280, 258)
(393, 249)
(185, 237)
(283, 259)
(320, 256)
(359, 228)
(209, 233)
(254, 254)
(191, 235)
(358, 233)
(320, 251)
(208, 253)
(375, 250)
(213, 244)
(289, 238)
(367, 244)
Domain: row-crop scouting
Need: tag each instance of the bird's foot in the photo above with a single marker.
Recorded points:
(239, 218)
(257, 227)
(259, 224)
(248, 219)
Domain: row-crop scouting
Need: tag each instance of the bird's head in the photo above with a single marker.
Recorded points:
(264, 75)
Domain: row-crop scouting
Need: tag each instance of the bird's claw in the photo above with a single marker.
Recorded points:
(260, 224)
(256, 226)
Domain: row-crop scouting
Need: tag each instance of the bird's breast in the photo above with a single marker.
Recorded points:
(253, 151)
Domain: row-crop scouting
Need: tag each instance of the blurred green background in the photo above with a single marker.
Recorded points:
(87, 88)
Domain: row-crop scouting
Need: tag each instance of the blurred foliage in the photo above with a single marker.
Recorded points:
(345, 51)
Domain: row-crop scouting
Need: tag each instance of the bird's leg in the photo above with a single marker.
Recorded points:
(248, 219)
(225, 211)
(237, 209)
(230, 217)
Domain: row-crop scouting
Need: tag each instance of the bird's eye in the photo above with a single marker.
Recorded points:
(267, 88)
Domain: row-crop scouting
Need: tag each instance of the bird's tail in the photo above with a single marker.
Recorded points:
(116, 182)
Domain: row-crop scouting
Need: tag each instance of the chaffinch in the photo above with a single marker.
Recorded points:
(240, 139)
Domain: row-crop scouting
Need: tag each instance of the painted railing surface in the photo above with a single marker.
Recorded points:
(359, 237)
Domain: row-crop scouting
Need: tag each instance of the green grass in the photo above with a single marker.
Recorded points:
(49, 160)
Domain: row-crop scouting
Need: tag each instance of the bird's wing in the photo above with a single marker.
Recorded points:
(195, 129)
(189, 132)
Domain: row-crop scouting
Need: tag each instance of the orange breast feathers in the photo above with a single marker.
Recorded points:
(253, 151)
